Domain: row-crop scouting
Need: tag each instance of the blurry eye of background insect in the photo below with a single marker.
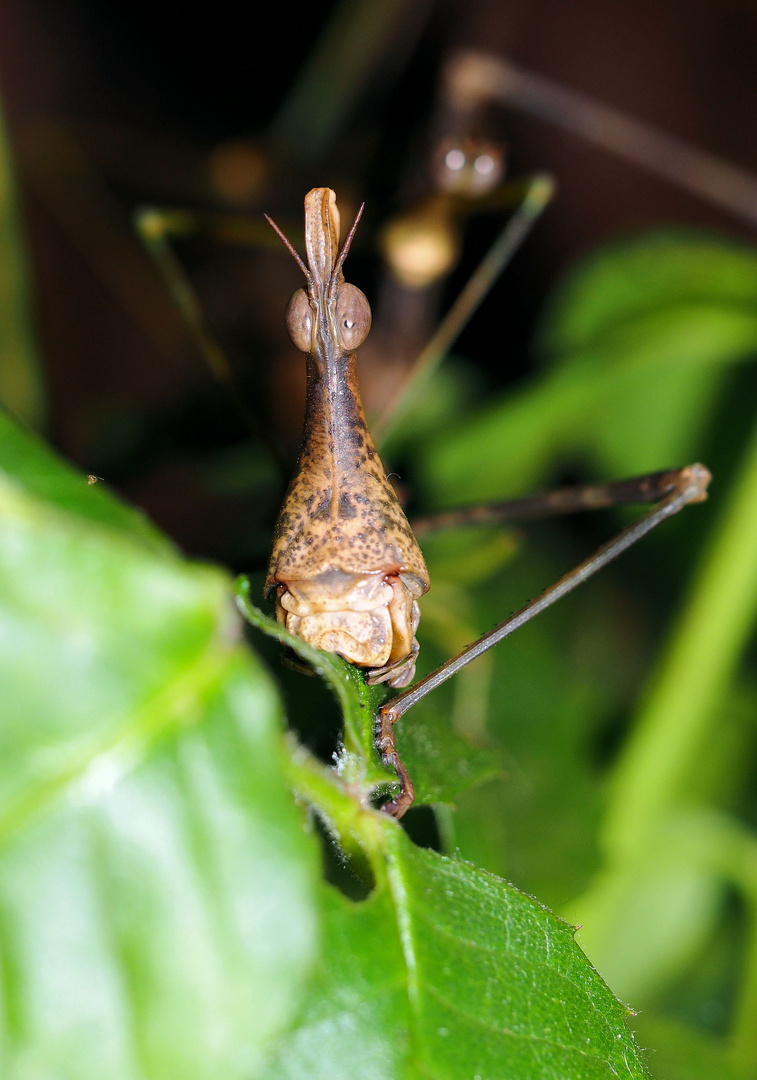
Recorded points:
(468, 167)
(353, 316)
(299, 320)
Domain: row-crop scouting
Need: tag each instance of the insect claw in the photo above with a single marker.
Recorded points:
(401, 803)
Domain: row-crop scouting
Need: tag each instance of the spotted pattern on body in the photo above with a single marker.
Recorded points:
(345, 568)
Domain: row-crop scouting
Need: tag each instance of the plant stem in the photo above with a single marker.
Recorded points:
(358, 828)
(681, 713)
(21, 387)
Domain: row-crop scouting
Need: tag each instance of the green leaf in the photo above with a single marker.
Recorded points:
(639, 338)
(447, 972)
(27, 465)
(444, 971)
(627, 279)
(675, 297)
(156, 911)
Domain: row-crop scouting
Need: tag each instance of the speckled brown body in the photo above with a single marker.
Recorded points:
(345, 565)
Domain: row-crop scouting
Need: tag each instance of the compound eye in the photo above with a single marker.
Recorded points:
(299, 320)
(353, 316)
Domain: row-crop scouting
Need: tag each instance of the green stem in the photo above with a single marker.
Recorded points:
(538, 194)
(680, 714)
(743, 1038)
(330, 83)
(730, 850)
(358, 828)
(21, 389)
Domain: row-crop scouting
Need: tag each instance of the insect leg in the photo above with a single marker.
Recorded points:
(537, 194)
(685, 486)
(159, 228)
(389, 757)
(473, 80)
(650, 487)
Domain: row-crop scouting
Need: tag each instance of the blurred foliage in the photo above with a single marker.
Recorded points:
(633, 348)
(21, 385)
(153, 896)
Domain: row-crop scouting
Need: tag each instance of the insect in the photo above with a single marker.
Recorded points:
(346, 572)
(345, 569)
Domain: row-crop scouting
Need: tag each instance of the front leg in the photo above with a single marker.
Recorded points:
(679, 488)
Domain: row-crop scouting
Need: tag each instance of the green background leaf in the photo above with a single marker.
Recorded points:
(635, 344)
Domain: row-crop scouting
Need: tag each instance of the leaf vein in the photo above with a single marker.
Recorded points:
(531, 1037)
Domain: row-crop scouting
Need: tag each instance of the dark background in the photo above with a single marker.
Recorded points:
(113, 106)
